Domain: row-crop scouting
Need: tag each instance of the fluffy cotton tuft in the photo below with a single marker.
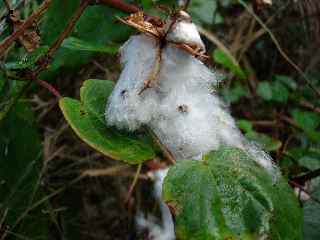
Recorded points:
(185, 32)
(181, 108)
(127, 109)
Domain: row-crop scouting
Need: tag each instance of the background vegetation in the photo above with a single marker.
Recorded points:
(268, 57)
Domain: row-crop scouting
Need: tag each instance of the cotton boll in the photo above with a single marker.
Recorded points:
(179, 68)
(184, 31)
(178, 128)
(126, 108)
(192, 121)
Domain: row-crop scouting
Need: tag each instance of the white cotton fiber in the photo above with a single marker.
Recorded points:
(126, 108)
(185, 32)
(191, 120)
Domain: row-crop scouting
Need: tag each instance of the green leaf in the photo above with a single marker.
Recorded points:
(264, 90)
(310, 162)
(286, 80)
(222, 58)
(87, 119)
(28, 60)
(78, 44)
(266, 142)
(276, 91)
(235, 93)
(20, 152)
(306, 120)
(228, 195)
(245, 125)
(311, 214)
(280, 92)
(203, 11)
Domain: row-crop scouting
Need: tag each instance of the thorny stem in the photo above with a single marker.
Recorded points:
(28, 23)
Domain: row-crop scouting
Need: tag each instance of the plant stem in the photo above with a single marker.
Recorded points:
(308, 176)
(46, 59)
(133, 184)
(49, 87)
(8, 6)
(125, 7)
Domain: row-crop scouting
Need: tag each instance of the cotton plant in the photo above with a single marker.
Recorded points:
(165, 85)
(221, 186)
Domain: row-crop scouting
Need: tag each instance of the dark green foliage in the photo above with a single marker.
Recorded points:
(20, 154)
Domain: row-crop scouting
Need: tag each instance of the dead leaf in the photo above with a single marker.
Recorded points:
(30, 39)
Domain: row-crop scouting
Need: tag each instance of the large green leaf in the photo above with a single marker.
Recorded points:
(227, 195)
(311, 213)
(20, 151)
(87, 119)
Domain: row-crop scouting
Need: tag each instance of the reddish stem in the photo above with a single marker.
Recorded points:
(49, 87)
(118, 4)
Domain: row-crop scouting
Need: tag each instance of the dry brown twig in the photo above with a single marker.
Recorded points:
(27, 23)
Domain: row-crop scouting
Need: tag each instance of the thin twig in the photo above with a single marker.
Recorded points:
(167, 154)
(49, 87)
(26, 24)
(186, 5)
(281, 51)
(8, 6)
(308, 176)
(45, 60)
(111, 171)
(303, 190)
(310, 106)
(133, 184)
